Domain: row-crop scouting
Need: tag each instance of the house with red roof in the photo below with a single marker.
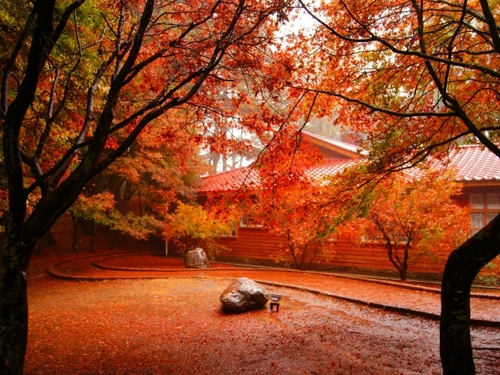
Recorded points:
(478, 170)
(337, 156)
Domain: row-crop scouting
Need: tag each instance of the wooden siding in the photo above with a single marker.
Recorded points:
(251, 245)
(258, 246)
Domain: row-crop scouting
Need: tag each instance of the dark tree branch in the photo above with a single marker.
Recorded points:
(10, 63)
(490, 20)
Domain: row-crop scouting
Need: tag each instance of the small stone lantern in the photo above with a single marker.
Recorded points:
(275, 302)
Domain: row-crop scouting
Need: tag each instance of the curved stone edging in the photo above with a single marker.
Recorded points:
(118, 268)
(271, 269)
(211, 273)
(399, 310)
(250, 268)
(394, 309)
(261, 268)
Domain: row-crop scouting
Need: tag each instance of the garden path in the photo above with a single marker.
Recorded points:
(407, 298)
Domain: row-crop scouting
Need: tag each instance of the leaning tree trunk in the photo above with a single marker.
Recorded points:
(462, 267)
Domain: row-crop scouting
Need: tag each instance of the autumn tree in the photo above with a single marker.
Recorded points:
(225, 131)
(191, 226)
(415, 77)
(414, 217)
(96, 209)
(161, 167)
(289, 199)
(81, 80)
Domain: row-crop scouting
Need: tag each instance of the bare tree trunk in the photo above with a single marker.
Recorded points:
(224, 163)
(401, 266)
(114, 237)
(461, 268)
(94, 235)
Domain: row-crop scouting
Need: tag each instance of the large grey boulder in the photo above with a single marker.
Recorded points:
(196, 258)
(242, 295)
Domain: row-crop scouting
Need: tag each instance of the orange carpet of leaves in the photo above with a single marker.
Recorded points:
(175, 326)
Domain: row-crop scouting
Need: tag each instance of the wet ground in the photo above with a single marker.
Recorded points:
(388, 295)
(148, 315)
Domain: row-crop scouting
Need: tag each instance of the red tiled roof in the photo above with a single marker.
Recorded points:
(330, 167)
(229, 181)
(475, 163)
(241, 177)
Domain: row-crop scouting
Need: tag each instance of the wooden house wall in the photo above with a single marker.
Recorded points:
(251, 245)
(258, 246)
(463, 200)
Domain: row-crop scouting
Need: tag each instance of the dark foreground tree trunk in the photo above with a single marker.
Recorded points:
(461, 268)
(47, 241)
(13, 312)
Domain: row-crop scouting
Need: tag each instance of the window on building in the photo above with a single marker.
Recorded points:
(483, 208)
(381, 240)
(332, 237)
(248, 221)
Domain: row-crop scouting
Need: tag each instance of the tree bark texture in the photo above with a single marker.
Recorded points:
(462, 267)
(13, 311)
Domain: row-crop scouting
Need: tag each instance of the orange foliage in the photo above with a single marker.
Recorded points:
(290, 202)
(411, 76)
(82, 80)
(414, 217)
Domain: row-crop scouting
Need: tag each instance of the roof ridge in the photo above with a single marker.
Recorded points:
(225, 172)
(329, 139)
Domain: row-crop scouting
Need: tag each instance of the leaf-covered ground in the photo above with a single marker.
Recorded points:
(175, 326)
